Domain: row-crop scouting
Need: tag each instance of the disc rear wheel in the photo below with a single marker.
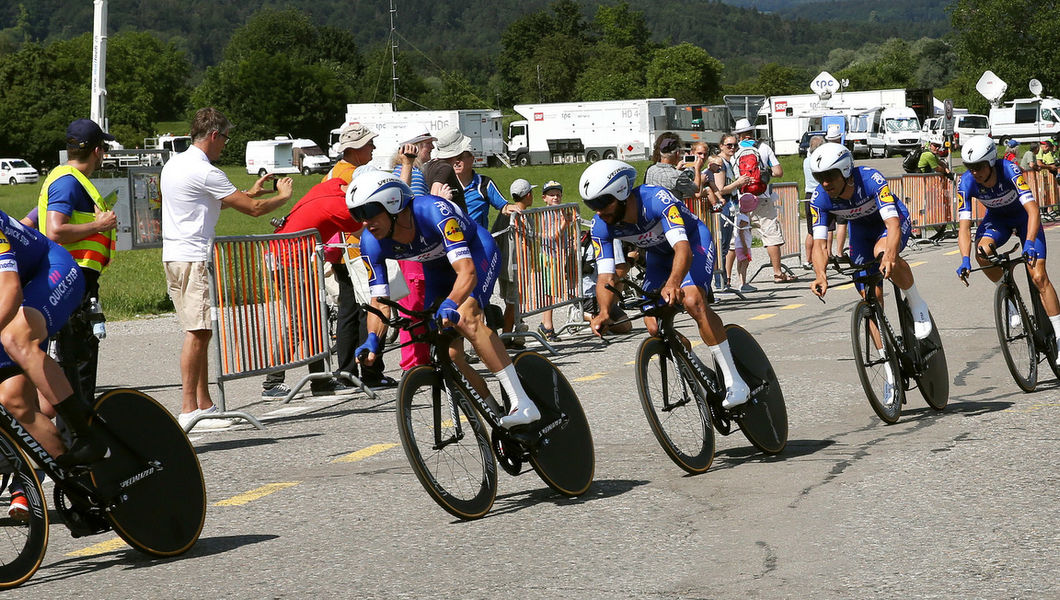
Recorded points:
(764, 418)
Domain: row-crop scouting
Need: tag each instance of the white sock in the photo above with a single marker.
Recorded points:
(886, 366)
(914, 296)
(1055, 320)
(723, 356)
(513, 387)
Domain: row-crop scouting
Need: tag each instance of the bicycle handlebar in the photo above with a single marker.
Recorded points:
(997, 259)
(411, 319)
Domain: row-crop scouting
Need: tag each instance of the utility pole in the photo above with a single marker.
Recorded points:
(393, 56)
(99, 65)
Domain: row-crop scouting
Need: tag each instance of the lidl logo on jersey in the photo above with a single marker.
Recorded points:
(368, 267)
(452, 231)
(885, 195)
(815, 213)
(597, 250)
(5, 246)
(673, 215)
(1021, 184)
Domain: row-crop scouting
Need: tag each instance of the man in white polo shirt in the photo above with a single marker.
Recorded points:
(193, 193)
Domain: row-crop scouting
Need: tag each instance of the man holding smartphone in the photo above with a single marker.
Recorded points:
(664, 171)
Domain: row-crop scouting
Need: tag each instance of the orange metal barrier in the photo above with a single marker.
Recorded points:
(929, 197)
(268, 297)
(788, 196)
(1046, 191)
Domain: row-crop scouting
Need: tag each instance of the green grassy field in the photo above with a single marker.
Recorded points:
(134, 284)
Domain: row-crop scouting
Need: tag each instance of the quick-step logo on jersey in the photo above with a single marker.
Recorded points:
(673, 215)
(451, 230)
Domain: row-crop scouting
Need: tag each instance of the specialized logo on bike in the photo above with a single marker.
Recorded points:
(142, 474)
(451, 230)
(673, 215)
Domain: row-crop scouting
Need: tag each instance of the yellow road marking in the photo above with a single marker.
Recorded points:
(917, 263)
(1032, 407)
(365, 452)
(254, 494)
(845, 286)
(765, 316)
(791, 306)
(100, 548)
(592, 377)
(632, 362)
(957, 251)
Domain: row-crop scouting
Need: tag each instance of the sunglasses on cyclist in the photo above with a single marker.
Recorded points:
(976, 166)
(830, 175)
(600, 202)
(365, 212)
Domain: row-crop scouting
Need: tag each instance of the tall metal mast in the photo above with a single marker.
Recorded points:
(99, 65)
(393, 56)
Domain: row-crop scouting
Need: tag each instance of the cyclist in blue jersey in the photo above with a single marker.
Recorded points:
(1010, 208)
(40, 287)
(679, 252)
(877, 223)
(460, 264)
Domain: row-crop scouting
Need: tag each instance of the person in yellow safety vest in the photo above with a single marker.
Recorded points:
(72, 213)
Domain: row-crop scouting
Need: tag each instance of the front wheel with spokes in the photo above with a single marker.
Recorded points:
(446, 444)
(877, 362)
(1016, 337)
(675, 407)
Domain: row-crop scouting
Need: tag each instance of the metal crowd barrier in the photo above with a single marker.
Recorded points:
(547, 262)
(1046, 191)
(269, 313)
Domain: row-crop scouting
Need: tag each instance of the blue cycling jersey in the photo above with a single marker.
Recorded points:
(1006, 198)
(22, 249)
(444, 234)
(871, 204)
(662, 222)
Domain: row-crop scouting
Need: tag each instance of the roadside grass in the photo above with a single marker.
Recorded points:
(134, 284)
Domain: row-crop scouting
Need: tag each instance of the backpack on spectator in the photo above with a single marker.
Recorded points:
(911, 162)
(749, 162)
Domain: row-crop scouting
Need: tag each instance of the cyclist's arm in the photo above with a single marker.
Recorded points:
(466, 279)
(1034, 219)
(671, 290)
(10, 296)
(374, 323)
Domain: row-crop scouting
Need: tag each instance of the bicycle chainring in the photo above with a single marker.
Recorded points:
(510, 461)
(80, 518)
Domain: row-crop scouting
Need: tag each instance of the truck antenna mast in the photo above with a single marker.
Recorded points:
(99, 65)
(393, 56)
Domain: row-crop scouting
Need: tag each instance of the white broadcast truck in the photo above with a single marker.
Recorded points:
(1023, 119)
(283, 155)
(483, 126)
(572, 132)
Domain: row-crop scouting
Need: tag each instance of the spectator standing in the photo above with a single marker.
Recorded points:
(742, 240)
(1046, 159)
(809, 186)
(479, 191)
(76, 217)
(929, 161)
(193, 193)
(1010, 151)
(1029, 160)
(438, 173)
(356, 142)
(551, 195)
(766, 211)
(728, 183)
(522, 193)
(834, 136)
(664, 172)
(415, 150)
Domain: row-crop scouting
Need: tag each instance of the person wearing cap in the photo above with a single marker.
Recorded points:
(551, 195)
(522, 194)
(1046, 159)
(356, 143)
(1010, 150)
(414, 149)
(833, 134)
(193, 193)
(664, 173)
(766, 211)
(71, 212)
(929, 161)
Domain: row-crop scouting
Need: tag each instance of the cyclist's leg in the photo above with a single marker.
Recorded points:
(988, 238)
(1040, 277)
(863, 241)
(902, 276)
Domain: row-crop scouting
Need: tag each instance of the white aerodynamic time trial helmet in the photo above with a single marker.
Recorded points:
(832, 156)
(373, 191)
(606, 181)
(979, 149)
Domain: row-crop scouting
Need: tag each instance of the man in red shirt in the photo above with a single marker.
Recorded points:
(324, 208)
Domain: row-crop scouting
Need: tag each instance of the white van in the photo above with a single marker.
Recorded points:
(14, 171)
(1026, 120)
(270, 156)
(309, 158)
(891, 130)
(964, 127)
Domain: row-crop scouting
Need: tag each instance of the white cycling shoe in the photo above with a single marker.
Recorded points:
(1014, 319)
(888, 394)
(737, 394)
(921, 320)
(521, 415)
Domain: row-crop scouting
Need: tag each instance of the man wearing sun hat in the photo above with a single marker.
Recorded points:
(439, 174)
(356, 145)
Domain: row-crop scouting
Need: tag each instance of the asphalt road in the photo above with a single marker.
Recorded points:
(322, 503)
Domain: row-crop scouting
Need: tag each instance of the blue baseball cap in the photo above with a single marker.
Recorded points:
(1013, 143)
(85, 133)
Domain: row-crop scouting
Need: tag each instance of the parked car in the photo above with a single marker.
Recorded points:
(964, 127)
(14, 171)
(804, 143)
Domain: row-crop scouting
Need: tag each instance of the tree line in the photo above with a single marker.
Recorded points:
(281, 72)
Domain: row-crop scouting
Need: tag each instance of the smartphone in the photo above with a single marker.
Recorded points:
(274, 180)
(690, 158)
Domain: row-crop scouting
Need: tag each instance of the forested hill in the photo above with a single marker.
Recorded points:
(464, 36)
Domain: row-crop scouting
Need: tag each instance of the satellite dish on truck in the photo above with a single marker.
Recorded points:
(991, 87)
(1035, 87)
(824, 85)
